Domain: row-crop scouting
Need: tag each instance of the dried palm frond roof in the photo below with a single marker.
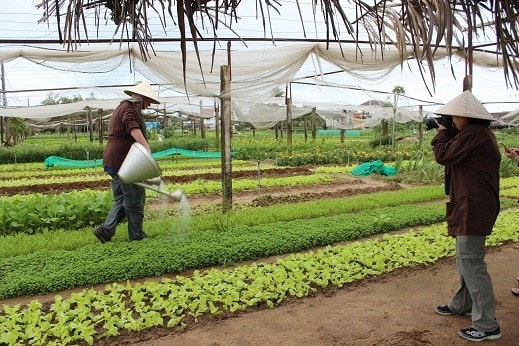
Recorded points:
(420, 25)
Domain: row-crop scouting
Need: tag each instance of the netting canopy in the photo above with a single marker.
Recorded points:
(511, 118)
(256, 74)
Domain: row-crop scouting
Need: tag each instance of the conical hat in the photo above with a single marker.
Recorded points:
(465, 105)
(143, 89)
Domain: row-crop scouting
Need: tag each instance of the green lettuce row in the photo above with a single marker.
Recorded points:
(35, 209)
(93, 315)
(37, 212)
(49, 271)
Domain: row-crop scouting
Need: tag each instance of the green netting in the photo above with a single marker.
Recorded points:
(335, 132)
(373, 167)
(57, 161)
(184, 152)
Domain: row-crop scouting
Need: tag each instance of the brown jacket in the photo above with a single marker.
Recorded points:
(473, 158)
(124, 118)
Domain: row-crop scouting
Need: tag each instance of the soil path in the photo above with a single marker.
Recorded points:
(395, 309)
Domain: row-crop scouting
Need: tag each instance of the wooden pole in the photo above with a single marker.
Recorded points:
(225, 100)
(100, 119)
(202, 124)
(306, 127)
(164, 117)
(420, 128)
(75, 128)
(288, 101)
(314, 123)
(217, 123)
(4, 104)
(394, 121)
(90, 124)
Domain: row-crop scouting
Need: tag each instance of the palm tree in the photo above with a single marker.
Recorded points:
(423, 26)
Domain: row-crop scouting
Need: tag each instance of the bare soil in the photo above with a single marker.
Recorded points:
(394, 309)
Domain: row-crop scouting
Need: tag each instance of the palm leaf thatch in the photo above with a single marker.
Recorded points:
(419, 26)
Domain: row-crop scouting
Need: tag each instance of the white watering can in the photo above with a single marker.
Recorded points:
(140, 168)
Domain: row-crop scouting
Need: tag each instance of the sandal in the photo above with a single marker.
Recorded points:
(515, 291)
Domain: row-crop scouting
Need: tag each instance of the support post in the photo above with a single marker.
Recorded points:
(288, 101)
(4, 104)
(90, 124)
(314, 123)
(202, 123)
(420, 128)
(225, 100)
(100, 119)
(217, 123)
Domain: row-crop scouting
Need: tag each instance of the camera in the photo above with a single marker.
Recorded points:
(445, 120)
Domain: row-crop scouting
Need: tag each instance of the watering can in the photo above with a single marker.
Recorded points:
(140, 168)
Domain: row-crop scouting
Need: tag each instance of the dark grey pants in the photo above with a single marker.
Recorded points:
(476, 293)
(129, 202)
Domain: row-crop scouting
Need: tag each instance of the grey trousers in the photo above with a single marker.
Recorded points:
(476, 293)
(129, 202)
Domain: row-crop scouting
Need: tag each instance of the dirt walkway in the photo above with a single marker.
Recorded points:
(396, 309)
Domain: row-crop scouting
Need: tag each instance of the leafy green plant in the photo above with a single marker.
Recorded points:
(92, 315)
(39, 213)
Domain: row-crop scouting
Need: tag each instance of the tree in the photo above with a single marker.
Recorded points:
(17, 130)
(421, 26)
(51, 99)
(75, 98)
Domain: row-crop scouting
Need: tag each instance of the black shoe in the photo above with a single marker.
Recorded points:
(444, 310)
(99, 233)
(475, 335)
(144, 236)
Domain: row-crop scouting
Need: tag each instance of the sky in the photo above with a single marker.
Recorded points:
(18, 20)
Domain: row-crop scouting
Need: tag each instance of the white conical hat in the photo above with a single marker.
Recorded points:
(465, 105)
(143, 89)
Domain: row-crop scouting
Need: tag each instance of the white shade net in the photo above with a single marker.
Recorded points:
(256, 74)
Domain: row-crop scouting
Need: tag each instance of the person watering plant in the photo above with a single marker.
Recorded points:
(472, 157)
(126, 127)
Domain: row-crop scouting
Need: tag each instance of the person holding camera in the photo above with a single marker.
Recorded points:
(472, 158)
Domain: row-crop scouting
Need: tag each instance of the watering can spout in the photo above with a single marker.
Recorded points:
(177, 195)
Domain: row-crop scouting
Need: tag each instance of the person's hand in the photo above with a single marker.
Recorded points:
(440, 125)
(512, 153)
